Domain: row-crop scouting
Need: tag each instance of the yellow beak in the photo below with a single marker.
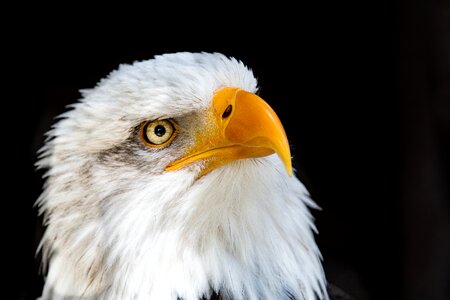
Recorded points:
(240, 125)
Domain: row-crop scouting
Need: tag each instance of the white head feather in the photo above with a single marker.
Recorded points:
(120, 227)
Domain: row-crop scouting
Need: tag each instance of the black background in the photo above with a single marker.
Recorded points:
(362, 88)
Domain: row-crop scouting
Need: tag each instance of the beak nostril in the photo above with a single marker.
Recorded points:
(227, 112)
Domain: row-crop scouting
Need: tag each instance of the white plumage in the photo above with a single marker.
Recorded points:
(122, 226)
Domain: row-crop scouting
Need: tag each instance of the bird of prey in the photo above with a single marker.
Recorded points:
(172, 179)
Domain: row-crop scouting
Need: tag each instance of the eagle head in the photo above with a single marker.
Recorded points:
(172, 179)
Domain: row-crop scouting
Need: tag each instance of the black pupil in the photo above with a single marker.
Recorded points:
(160, 130)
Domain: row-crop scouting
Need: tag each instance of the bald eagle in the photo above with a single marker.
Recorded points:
(172, 179)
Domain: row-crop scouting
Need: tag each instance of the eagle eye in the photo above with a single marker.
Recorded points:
(158, 133)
